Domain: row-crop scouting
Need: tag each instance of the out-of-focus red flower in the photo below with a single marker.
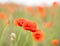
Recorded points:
(30, 10)
(48, 25)
(41, 10)
(29, 25)
(55, 42)
(55, 4)
(10, 7)
(19, 21)
(2, 16)
(38, 36)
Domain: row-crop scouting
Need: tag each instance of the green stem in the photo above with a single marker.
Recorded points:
(34, 43)
(18, 39)
(11, 43)
(27, 37)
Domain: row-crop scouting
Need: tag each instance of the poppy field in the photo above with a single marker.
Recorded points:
(29, 25)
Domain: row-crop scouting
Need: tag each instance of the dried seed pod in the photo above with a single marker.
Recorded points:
(13, 36)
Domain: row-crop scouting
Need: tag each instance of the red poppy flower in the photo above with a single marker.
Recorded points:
(55, 4)
(2, 16)
(29, 25)
(33, 29)
(55, 42)
(38, 35)
(48, 25)
(10, 7)
(41, 10)
(30, 10)
(19, 21)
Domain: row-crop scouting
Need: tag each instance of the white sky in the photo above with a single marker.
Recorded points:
(30, 2)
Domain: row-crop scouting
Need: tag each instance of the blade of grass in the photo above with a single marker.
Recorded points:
(2, 36)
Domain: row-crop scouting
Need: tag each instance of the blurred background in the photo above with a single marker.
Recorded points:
(45, 13)
(31, 2)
